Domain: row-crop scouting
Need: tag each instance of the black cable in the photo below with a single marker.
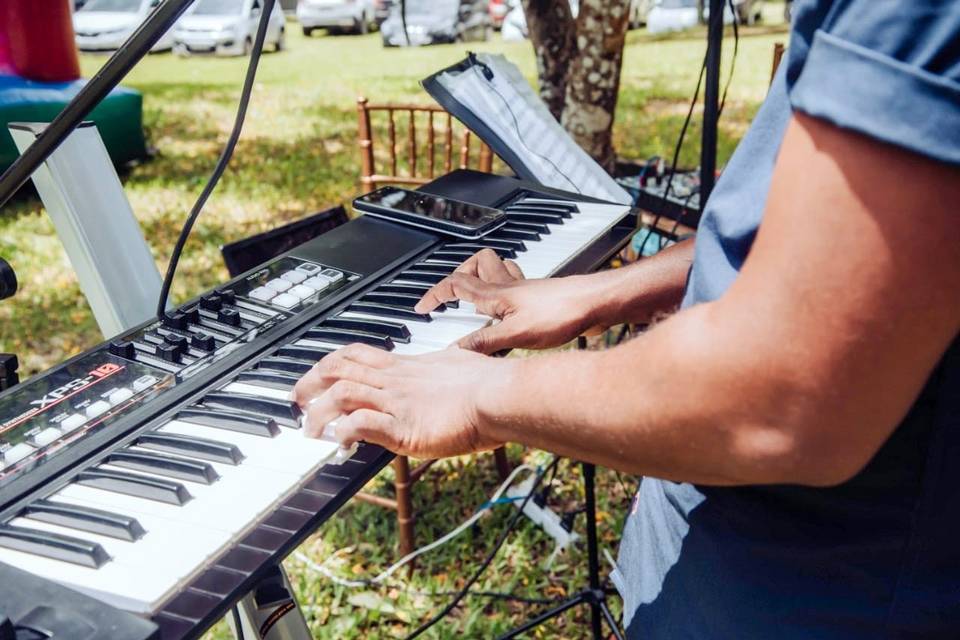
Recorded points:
(676, 157)
(516, 123)
(237, 622)
(224, 159)
(489, 559)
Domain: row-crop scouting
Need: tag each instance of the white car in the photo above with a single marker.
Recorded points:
(104, 25)
(350, 15)
(226, 27)
(672, 15)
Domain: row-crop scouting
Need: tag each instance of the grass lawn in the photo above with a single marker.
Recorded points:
(298, 154)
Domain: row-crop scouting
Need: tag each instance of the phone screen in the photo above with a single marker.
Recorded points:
(434, 207)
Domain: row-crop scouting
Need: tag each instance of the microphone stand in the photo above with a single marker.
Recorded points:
(102, 83)
(8, 361)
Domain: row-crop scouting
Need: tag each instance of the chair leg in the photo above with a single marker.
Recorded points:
(503, 463)
(405, 516)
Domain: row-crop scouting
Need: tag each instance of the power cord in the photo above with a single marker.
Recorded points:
(223, 160)
(489, 559)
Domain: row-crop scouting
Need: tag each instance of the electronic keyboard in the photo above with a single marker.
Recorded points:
(161, 472)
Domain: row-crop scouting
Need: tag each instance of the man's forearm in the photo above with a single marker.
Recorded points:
(640, 291)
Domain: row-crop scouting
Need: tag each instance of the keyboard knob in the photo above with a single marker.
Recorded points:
(192, 315)
(122, 349)
(212, 302)
(170, 352)
(228, 296)
(203, 342)
(175, 320)
(229, 316)
(173, 338)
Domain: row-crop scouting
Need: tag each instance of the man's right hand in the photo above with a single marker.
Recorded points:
(532, 314)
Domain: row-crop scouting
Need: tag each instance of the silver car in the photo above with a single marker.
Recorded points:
(354, 16)
(226, 27)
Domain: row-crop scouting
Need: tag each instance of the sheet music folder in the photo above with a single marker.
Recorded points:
(490, 96)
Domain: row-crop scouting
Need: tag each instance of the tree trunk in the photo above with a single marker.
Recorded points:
(594, 77)
(553, 34)
(578, 63)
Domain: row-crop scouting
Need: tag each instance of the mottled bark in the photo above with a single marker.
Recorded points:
(553, 34)
(579, 67)
(594, 77)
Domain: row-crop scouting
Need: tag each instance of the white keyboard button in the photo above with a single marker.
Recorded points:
(279, 285)
(317, 283)
(143, 382)
(47, 436)
(120, 395)
(264, 294)
(332, 275)
(301, 291)
(286, 300)
(73, 421)
(97, 408)
(17, 452)
(296, 277)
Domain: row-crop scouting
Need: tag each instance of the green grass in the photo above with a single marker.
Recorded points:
(298, 154)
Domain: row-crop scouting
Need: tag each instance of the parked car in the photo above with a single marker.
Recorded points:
(354, 16)
(226, 27)
(381, 9)
(104, 25)
(639, 9)
(437, 21)
(672, 15)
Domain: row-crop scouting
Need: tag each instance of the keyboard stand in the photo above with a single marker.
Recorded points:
(594, 595)
(270, 611)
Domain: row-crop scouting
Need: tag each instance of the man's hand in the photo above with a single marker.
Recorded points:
(421, 406)
(533, 314)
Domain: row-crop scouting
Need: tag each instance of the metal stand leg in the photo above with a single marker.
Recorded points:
(595, 596)
(270, 611)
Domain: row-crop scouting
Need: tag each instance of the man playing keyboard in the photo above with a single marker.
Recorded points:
(797, 421)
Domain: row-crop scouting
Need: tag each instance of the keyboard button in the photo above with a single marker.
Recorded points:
(279, 285)
(53, 545)
(302, 291)
(17, 452)
(332, 275)
(119, 395)
(72, 421)
(97, 408)
(295, 277)
(309, 268)
(263, 294)
(286, 300)
(47, 436)
(317, 283)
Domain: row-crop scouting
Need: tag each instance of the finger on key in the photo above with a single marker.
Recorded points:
(342, 398)
(339, 365)
(460, 286)
(370, 426)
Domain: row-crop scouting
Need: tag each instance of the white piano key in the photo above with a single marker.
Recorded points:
(253, 388)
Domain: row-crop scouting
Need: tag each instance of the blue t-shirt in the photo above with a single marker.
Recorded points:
(878, 556)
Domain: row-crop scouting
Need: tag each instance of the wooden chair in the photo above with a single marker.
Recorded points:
(428, 150)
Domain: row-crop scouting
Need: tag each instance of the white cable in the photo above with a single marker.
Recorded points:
(323, 570)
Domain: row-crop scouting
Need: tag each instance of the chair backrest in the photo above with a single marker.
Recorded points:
(420, 140)
(778, 51)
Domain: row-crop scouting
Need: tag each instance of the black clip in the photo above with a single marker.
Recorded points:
(484, 67)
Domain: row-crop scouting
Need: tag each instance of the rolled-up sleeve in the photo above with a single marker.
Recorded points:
(889, 70)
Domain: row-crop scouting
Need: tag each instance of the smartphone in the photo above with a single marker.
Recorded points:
(453, 217)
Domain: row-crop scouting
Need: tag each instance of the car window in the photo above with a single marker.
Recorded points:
(120, 6)
(218, 7)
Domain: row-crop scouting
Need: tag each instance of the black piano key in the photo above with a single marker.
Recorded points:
(480, 245)
(563, 212)
(272, 379)
(285, 412)
(192, 447)
(537, 227)
(157, 489)
(397, 331)
(82, 518)
(453, 255)
(349, 336)
(531, 216)
(53, 545)
(285, 365)
(428, 277)
(388, 311)
(515, 233)
(228, 421)
(432, 267)
(417, 289)
(404, 300)
(164, 465)
(298, 352)
(506, 245)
